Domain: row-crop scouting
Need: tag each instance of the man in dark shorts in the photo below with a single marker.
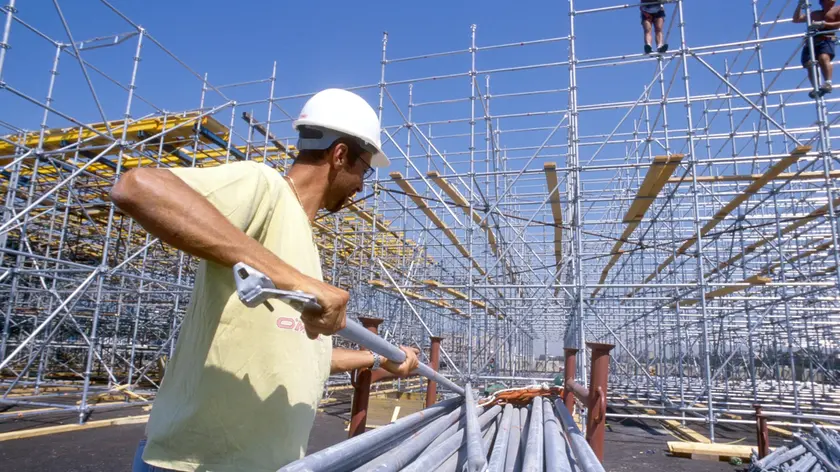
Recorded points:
(827, 19)
(653, 15)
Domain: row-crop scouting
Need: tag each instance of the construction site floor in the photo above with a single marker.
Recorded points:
(631, 446)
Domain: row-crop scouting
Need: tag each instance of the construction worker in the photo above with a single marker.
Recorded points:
(243, 387)
(653, 15)
(827, 19)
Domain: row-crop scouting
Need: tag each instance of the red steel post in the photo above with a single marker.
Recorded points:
(596, 423)
(361, 392)
(761, 432)
(569, 370)
(434, 359)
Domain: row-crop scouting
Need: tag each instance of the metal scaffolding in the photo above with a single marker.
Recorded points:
(692, 225)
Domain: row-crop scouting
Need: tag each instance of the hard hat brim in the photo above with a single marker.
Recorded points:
(379, 160)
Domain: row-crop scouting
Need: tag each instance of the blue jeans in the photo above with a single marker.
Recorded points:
(139, 465)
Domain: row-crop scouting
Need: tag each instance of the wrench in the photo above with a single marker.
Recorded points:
(255, 288)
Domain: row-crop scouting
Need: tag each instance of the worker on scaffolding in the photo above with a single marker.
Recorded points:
(244, 384)
(653, 17)
(826, 19)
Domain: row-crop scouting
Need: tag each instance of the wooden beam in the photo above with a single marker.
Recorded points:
(755, 280)
(655, 179)
(556, 211)
(66, 428)
(800, 222)
(459, 200)
(675, 426)
(421, 204)
(416, 296)
(723, 451)
(774, 171)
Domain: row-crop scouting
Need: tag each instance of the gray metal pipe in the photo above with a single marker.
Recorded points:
(784, 457)
(828, 443)
(524, 422)
(356, 451)
(533, 461)
(556, 449)
(432, 458)
(361, 336)
(461, 424)
(500, 445)
(512, 456)
(585, 457)
(804, 464)
(475, 460)
(458, 462)
(402, 455)
(762, 463)
(829, 466)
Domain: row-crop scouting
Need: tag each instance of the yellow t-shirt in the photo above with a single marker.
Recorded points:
(243, 386)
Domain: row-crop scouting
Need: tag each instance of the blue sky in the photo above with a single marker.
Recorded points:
(339, 44)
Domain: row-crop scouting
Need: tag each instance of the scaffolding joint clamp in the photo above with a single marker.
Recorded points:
(9, 9)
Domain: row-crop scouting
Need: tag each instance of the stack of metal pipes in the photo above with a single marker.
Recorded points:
(815, 452)
(462, 434)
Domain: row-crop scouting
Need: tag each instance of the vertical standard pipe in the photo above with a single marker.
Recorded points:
(569, 377)
(597, 418)
(534, 447)
(500, 446)
(100, 288)
(361, 392)
(434, 361)
(4, 43)
(761, 432)
(695, 194)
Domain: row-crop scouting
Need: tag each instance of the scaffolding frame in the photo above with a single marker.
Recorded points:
(701, 242)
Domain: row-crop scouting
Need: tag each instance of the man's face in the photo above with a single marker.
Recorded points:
(349, 176)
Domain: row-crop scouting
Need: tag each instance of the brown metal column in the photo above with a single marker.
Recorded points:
(434, 359)
(361, 392)
(761, 432)
(596, 423)
(569, 371)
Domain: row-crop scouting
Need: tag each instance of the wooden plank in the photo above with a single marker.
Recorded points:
(67, 428)
(655, 179)
(675, 426)
(823, 210)
(556, 211)
(406, 187)
(774, 171)
(755, 280)
(459, 200)
(724, 451)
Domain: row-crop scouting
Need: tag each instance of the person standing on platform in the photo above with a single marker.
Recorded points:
(653, 16)
(826, 19)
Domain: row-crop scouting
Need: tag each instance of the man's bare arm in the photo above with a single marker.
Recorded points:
(345, 360)
(171, 210)
(799, 15)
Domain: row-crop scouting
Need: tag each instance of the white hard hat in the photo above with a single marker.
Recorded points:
(336, 113)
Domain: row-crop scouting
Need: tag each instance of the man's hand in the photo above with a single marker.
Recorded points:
(816, 26)
(409, 364)
(333, 301)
